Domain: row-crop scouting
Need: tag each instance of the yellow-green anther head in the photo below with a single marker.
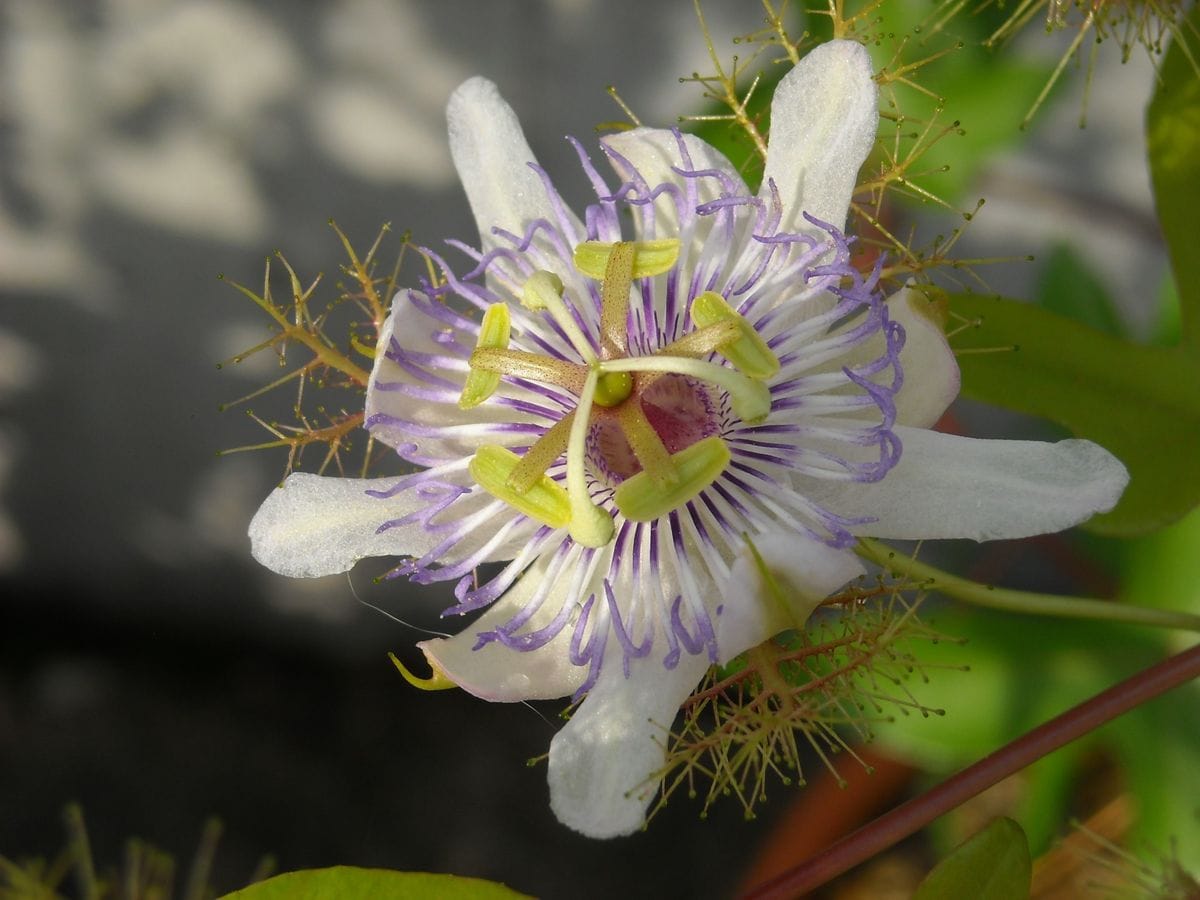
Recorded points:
(494, 333)
(749, 353)
(546, 501)
(613, 388)
(649, 257)
(642, 499)
(751, 400)
(542, 290)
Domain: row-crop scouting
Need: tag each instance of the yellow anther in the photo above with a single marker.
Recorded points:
(613, 388)
(494, 332)
(435, 682)
(641, 499)
(546, 500)
(749, 353)
(649, 257)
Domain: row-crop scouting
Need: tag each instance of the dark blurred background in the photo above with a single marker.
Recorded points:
(148, 668)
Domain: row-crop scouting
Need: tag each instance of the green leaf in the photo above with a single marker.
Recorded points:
(1070, 288)
(379, 884)
(1163, 569)
(1141, 403)
(992, 865)
(1173, 147)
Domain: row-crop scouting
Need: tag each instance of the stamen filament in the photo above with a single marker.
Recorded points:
(541, 455)
(522, 364)
(703, 341)
(647, 446)
(543, 291)
(614, 300)
(751, 399)
(589, 525)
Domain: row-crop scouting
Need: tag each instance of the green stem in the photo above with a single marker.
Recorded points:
(1025, 602)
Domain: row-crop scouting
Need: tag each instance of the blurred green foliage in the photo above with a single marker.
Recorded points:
(993, 864)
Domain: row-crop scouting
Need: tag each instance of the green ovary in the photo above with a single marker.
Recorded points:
(613, 388)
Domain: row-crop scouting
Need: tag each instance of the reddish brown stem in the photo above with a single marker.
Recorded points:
(910, 817)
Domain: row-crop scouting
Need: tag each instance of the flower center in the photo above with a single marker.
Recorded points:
(680, 410)
(647, 426)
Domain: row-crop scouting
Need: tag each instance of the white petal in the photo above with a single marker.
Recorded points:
(805, 572)
(654, 152)
(313, 526)
(498, 673)
(931, 376)
(946, 486)
(823, 121)
(603, 762)
(492, 158)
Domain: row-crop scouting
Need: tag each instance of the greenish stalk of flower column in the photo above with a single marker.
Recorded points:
(1027, 602)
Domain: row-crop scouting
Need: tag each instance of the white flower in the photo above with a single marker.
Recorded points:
(689, 381)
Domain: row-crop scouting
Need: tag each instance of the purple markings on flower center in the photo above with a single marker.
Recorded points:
(681, 410)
